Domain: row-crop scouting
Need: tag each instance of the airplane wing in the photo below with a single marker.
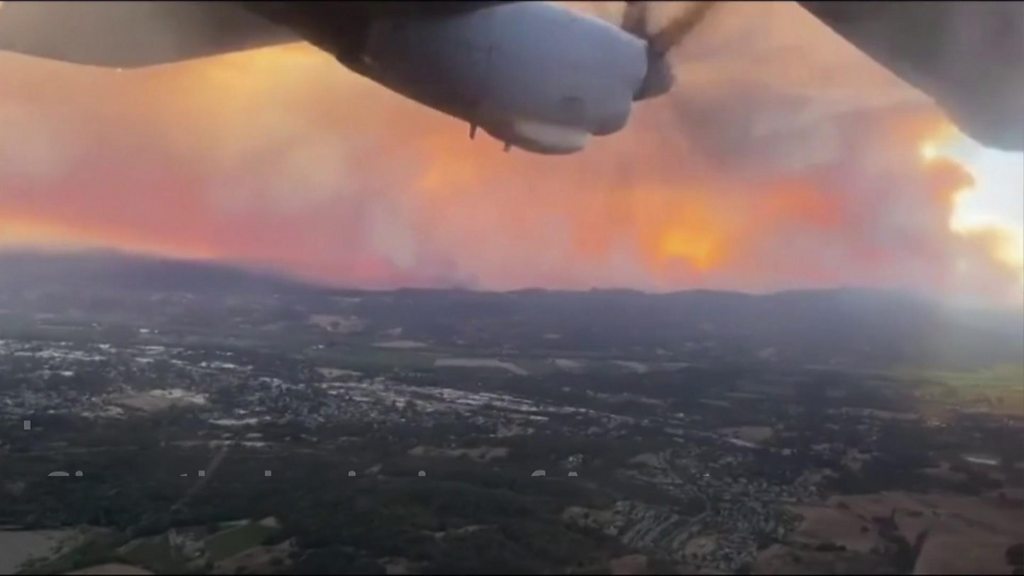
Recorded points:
(968, 56)
(138, 33)
(133, 34)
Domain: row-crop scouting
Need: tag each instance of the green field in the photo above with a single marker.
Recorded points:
(998, 388)
(156, 554)
(227, 543)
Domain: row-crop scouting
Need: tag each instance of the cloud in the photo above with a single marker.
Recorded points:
(783, 159)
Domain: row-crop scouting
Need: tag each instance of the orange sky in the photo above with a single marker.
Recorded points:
(783, 159)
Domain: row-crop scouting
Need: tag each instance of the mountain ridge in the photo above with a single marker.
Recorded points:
(102, 261)
(858, 326)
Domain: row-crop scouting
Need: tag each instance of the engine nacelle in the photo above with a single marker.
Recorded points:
(534, 75)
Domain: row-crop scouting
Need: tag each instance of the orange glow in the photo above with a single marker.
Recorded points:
(699, 250)
(785, 160)
(27, 232)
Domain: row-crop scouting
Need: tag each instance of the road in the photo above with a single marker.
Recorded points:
(211, 469)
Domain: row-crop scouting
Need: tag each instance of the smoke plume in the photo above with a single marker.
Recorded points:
(782, 159)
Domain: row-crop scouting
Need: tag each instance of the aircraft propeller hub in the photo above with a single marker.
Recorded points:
(659, 78)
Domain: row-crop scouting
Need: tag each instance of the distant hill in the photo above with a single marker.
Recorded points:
(848, 326)
(108, 270)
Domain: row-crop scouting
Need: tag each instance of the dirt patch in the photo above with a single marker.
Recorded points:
(401, 344)
(753, 434)
(881, 414)
(569, 365)
(636, 367)
(18, 547)
(830, 524)
(157, 400)
(337, 324)
(955, 534)
(258, 560)
(481, 454)
(479, 363)
(784, 559)
(398, 566)
(113, 569)
(338, 373)
(632, 564)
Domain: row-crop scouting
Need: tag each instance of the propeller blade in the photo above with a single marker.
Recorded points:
(634, 18)
(676, 30)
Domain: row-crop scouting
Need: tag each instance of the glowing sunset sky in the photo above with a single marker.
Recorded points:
(784, 159)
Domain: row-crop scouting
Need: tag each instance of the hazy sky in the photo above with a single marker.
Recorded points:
(783, 159)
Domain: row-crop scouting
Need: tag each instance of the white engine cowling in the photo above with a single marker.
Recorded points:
(535, 75)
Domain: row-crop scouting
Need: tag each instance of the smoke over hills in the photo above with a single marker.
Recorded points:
(783, 159)
(852, 327)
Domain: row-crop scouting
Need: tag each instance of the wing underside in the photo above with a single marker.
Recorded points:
(966, 55)
(133, 34)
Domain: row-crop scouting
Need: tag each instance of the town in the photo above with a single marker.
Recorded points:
(364, 444)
